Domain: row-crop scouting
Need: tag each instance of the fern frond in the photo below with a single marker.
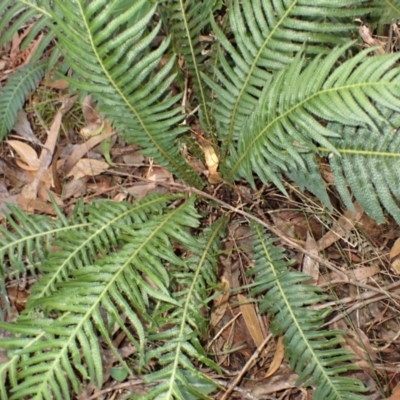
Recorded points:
(116, 284)
(27, 238)
(96, 232)
(15, 16)
(191, 285)
(13, 94)
(313, 353)
(268, 35)
(111, 58)
(287, 123)
(389, 11)
(186, 20)
(368, 165)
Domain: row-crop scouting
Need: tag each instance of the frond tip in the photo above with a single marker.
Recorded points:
(313, 353)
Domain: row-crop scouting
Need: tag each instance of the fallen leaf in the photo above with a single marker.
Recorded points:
(339, 231)
(27, 154)
(220, 303)
(23, 127)
(59, 84)
(395, 394)
(395, 256)
(83, 148)
(278, 357)
(29, 191)
(32, 205)
(366, 36)
(88, 167)
(155, 175)
(310, 265)
(250, 317)
(364, 272)
(212, 162)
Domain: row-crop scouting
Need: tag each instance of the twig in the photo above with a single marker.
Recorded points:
(246, 367)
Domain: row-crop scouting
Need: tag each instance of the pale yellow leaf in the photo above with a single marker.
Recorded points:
(28, 156)
(88, 167)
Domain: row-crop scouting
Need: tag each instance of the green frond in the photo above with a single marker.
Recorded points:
(186, 20)
(116, 285)
(111, 58)
(17, 15)
(389, 10)
(367, 165)
(13, 94)
(92, 234)
(27, 238)
(312, 352)
(286, 125)
(268, 35)
(191, 284)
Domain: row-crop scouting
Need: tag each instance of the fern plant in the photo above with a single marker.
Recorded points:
(283, 85)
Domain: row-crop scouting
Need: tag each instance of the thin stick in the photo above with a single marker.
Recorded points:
(246, 367)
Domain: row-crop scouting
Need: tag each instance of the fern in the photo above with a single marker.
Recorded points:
(15, 15)
(286, 125)
(186, 21)
(268, 35)
(113, 71)
(367, 163)
(191, 284)
(312, 352)
(288, 89)
(116, 283)
(13, 94)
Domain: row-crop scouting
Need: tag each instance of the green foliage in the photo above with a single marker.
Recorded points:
(104, 261)
(283, 86)
(312, 352)
(13, 94)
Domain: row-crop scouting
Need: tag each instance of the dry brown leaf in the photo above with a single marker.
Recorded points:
(221, 301)
(89, 112)
(82, 149)
(23, 127)
(250, 317)
(29, 191)
(74, 188)
(59, 84)
(27, 154)
(310, 265)
(339, 231)
(366, 36)
(32, 205)
(395, 256)
(395, 394)
(278, 357)
(364, 272)
(154, 175)
(88, 167)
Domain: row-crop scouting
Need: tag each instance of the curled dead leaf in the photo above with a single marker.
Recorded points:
(29, 160)
(212, 162)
